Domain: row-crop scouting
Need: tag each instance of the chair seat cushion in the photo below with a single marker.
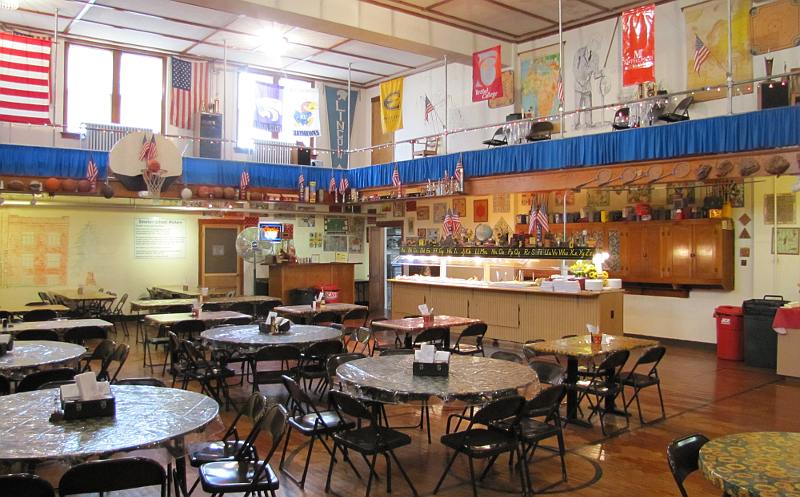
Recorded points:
(480, 442)
(638, 380)
(365, 440)
(236, 476)
(204, 452)
(330, 422)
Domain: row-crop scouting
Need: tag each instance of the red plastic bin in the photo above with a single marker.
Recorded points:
(730, 339)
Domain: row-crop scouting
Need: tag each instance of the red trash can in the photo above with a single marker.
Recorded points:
(730, 340)
(331, 293)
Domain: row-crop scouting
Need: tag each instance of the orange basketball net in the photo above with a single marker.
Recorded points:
(154, 181)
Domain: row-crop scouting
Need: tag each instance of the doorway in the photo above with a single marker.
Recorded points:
(384, 247)
(220, 268)
(380, 155)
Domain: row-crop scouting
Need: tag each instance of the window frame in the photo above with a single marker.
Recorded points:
(116, 96)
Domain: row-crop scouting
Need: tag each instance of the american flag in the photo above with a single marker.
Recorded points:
(560, 89)
(149, 150)
(332, 186)
(24, 79)
(456, 222)
(428, 108)
(189, 91)
(532, 217)
(301, 180)
(344, 184)
(701, 53)
(459, 171)
(447, 224)
(541, 218)
(396, 177)
(244, 183)
(91, 172)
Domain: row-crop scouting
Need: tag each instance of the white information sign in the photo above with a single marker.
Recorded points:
(159, 238)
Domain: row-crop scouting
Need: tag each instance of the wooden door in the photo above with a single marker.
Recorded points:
(679, 252)
(220, 268)
(377, 269)
(380, 155)
(644, 253)
(706, 251)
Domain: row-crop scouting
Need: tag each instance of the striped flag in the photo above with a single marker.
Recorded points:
(532, 218)
(541, 217)
(560, 90)
(91, 172)
(332, 186)
(301, 180)
(447, 224)
(701, 53)
(189, 91)
(455, 222)
(396, 177)
(344, 184)
(428, 108)
(24, 79)
(459, 172)
(244, 184)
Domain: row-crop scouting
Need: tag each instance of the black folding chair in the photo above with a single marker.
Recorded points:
(313, 363)
(50, 335)
(680, 112)
(603, 387)
(325, 318)
(639, 381)
(548, 372)
(33, 381)
(39, 315)
(366, 440)
(144, 381)
(287, 356)
(25, 485)
(120, 356)
(506, 356)
(474, 331)
(683, 455)
(333, 364)
(112, 475)
(434, 336)
(210, 373)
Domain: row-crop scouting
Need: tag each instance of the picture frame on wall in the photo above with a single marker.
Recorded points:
(787, 241)
(598, 198)
(480, 210)
(439, 211)
(501, 203)
(423, 213)
(460, 206)
(398, 209)
(560, 197)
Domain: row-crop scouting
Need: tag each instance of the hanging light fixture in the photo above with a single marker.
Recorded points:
(9, 4)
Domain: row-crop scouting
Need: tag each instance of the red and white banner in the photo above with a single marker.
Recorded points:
(24, 79)
(487, 80)
(638, 45)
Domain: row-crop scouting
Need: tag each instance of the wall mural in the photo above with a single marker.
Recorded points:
(539, 81)
(38, 249)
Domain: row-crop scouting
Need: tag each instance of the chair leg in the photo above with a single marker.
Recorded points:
(285, 446)
(561, 452)
(428, 420)
(308, 461)
(444, 473)
(330, 468)
(371, 473)
(403, 472)
(472, 477)
(388, 473)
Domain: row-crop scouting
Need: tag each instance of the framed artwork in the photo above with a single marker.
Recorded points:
(501, 203)
(480, 210)
(410, 224)
(788, 241)
(421, 232)
(681, 192)
(423, 213)
(398, 209)
(637, 194)
(356, 245)
(525, 199)
(439, 211)
(570, 197)
(786, 208)
(411, 205)
(598, 198)
(460, 206)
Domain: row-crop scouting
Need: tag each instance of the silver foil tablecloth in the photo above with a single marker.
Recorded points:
(146, 417)
(474, 380)
(248, 339)
(31, 355)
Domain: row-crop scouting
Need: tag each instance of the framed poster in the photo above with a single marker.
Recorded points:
(501, 203)
(423, 213)
(460, 206)
(786, 208)
(788, 241)
(439, 211)
(480, 210)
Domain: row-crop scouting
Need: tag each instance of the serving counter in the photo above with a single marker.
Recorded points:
(286, 277)
(514, 314)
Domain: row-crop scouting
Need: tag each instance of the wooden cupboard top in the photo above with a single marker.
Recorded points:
(529, 290)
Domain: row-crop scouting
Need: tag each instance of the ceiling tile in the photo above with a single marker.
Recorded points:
(383, 53)
(175, 10)
(571, 9)
(380, 68)
(328, 72)
(65, 7)
(33, 21)
(313, 38)
(491, 16)
(239, 56)
(235, 40)
(128, 36)
(145, 22)
(256, 26)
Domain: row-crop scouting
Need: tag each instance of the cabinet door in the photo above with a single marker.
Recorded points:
(651, 245)
(679, 252)
(616, 243)
(706, 252)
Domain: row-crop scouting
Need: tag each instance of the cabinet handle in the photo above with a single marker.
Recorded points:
(691, 255)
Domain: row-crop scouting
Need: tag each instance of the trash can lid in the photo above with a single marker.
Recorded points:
(729, 310)
(328, 287)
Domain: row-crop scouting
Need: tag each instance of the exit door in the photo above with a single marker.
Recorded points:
(220, 268)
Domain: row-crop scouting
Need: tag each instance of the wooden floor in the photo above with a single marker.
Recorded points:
(701, 394)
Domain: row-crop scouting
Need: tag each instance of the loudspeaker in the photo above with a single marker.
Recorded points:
(774, 95)
(317, 163)
(304, 156)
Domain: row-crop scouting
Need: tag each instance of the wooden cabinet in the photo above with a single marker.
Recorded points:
(700, 253)
(644, 252)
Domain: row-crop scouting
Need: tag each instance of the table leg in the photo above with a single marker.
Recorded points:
(179, 452)
(572, 394)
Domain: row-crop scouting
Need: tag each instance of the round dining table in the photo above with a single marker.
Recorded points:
(247, 338)
(28, 356)
(474, 380)
(755, 464)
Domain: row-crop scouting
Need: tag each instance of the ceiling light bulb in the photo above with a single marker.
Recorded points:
(9, 4)
(275, 44)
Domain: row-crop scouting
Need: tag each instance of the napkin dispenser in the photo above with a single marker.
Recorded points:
(73, 406)
(431, 362)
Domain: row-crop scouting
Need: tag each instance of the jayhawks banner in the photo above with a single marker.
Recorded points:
(336, 104)
(301, 111)
(487, 80)
(638, 45)
(268, 114)
(392, 105)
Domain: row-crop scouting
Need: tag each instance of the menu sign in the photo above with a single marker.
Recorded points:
(159, 238)
(504, 252)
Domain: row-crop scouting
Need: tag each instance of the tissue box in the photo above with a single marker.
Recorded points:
(431, 369)
(83, 409)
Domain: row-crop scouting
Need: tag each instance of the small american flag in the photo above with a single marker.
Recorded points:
(447, 224)
(91, 172)
(244, 184)
(541, 218)
(456, 222)
(560, 90)
(396, 177)
(459, 171)
(532, 217)
(344, 184)
(301, 180)
(428, 108)
(332, 186)
(701, 53)
(189, 91)
(149, 150)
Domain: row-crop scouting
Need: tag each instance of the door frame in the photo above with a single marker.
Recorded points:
(218, 222)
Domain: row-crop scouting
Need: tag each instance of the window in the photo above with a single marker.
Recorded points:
(110, 86)
(253, 99)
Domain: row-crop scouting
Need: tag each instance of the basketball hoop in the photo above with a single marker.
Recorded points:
(154, 181)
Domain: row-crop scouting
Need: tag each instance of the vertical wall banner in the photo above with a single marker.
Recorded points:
(487, 81)
(268, 114)
(638, 45)
(336, 103)
(392, 105)
(301, 111)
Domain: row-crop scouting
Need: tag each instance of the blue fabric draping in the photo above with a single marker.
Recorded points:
(765, 129)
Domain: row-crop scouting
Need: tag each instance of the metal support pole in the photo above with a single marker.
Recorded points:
(561, 75)
(348, 132)
(445, 103)
(564, 218)
(55, 77)
(729, 78)
(224, 97)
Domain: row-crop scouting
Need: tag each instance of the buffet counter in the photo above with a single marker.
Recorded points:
(513, 311)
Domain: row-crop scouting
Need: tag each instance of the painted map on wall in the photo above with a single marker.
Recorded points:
(707, 45)
(538, 81)
(37, 251)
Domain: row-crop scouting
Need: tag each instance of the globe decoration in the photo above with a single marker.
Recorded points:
(483, 232)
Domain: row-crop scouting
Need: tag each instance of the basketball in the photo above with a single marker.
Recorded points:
(153, 166)
(186, 193)
(52, 185)
(84, 186)
(107, 191)
(218, 192)
(16, 185)
(69, 185)
(229, 193)
(203, 192)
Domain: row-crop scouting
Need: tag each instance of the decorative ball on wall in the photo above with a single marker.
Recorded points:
(257, 196)
(16, 185)
(186, 193)
(84, 186)
(229, 193)
(69, 185)
(203, 192)
(218, 192)
(52, 185)
(153, 166)
(107, 191)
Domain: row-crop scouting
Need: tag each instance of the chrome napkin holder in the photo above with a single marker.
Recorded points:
(72, 409)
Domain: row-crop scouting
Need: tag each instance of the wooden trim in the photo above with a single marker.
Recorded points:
(116, 96)
(237, 222)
